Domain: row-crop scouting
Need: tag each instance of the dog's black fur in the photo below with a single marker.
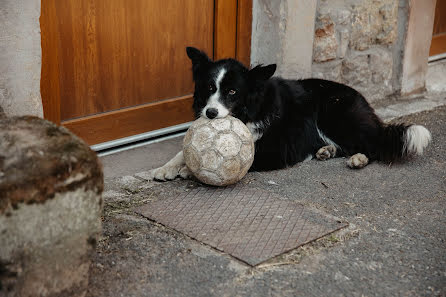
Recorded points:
(295, 117)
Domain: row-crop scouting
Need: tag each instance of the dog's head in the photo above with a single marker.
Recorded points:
(223, 87)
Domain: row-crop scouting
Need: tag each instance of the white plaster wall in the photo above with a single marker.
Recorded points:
(282, 33)
(20, 57)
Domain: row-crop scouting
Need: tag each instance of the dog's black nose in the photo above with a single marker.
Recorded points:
(211, 113)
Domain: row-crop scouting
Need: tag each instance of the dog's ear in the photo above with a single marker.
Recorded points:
(199, 61)
(262, 73)
(197, 57)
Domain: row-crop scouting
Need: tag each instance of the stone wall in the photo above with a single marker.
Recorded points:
(20, 57)
(355, 42)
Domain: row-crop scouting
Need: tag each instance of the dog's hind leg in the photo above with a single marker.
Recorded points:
(357, 161)
(326, 152)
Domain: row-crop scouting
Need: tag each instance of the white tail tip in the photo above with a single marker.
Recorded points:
(416, 140)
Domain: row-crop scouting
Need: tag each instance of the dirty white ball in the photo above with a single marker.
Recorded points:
(218, 152)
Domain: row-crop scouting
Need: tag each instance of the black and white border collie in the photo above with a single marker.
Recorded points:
(294, 120)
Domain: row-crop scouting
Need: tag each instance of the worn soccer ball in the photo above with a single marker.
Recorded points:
(218, 152)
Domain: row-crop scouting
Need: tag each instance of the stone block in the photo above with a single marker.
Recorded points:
(50, 208)
(363, 28)
(325, 45)
(329, 70)
(373, 22)
(370, 72)
(344, 39)
(355, 69)
(388, 13)
(340, 15)
(381, 64)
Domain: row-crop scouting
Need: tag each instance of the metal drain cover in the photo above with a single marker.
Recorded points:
(248, 223)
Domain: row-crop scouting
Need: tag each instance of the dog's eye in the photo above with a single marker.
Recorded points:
(231, 92)
(211, 87)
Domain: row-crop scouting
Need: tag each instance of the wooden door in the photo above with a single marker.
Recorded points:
(116, 68)
(438, 44)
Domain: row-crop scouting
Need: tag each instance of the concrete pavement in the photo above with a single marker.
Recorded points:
(395, 244)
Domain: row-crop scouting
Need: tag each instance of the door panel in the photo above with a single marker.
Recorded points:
(438, 44)
(106, 45)
(132, 121)
(225, 29)
(116, 68)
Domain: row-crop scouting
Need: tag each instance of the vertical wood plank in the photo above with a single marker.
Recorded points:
(225, 29)
(50, 80)
(438, 44)
(440, 18)
(244, 29)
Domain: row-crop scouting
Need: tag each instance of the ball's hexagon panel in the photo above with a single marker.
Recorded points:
(221, 124)
(188, 137)
(192, 158)
(211, 160)
(230, 170)
(210, 177)
(200, 122)
(246, 153)
(203, 138)
(245, 169)
(228, 144)
(240, 129)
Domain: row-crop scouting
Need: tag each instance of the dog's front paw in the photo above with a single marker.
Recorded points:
(326, 152)
(165, 173)
(185, 173)
(171, 170)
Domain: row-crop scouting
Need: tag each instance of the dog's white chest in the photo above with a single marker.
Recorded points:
(256, 129)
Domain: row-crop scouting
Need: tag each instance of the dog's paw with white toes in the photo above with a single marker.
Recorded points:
(357, 161)
(166, 173)
(171, 169)
(185, 173)
(326, 152)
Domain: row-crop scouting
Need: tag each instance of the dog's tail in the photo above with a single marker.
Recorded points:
(399, 142)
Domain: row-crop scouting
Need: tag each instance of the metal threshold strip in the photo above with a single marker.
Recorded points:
(437, 57)
(134, 141)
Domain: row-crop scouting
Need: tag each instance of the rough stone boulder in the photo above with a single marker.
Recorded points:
(50, 207)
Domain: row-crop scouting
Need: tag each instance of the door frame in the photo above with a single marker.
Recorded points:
(416, 45)
(232, 39)
(438, 44)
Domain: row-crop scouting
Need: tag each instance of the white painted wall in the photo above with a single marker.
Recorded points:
(20, 57)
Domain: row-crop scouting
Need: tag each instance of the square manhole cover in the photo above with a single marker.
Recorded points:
(248, 223)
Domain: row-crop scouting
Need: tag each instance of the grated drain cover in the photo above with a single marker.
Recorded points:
(248, 223)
